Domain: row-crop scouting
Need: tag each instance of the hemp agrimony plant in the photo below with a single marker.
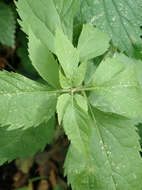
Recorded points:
(92, 86)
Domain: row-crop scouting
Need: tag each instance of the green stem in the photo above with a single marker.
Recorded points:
(73, 90)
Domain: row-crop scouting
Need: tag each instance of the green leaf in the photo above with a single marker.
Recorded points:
(131, 62)
(7, 25)
(114, 162)
(24, 103)
(79, 74)
(43, 60)
(63, 102)
(62, 105)
(90, 70)
(138, 68)
(67, 9)
(42, 17)
(92, 43)
(22, 143)
(77, 78)
(116, 89)
(81, 101)
(120, 19)
(64, 82)
(77, 124)
(41, 11)
(68, 55)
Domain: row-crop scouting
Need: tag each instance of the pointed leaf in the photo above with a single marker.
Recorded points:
(131, 62)
(62, 105)
(43, 60)
(24, 103)
(92, 42)
(79, 74)
(77, 126)
(114, 162)
(68, 55)
(64, 81)
(116, 89)
(67, 9)
(120, 19)
(81, 101)
(42, 17)
(64, 101)
(90, 70)
(21, 143)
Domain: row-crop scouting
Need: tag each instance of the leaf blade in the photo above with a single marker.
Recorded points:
(62, 104)
(44, 17)
(43, 60)
(116, 89)
(67, 10)
(92, 43)
(131, 62)
(79, 74)
(22, 143)
(121, 20)
(74, 116)
(41, 17)
(68, 55)
(111, 147)
(24, 103)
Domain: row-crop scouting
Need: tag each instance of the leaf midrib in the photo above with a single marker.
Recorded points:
(101, 138)
(121, 21)
(38, 16)
(105, 88)
(73, 108)
(26, 92)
